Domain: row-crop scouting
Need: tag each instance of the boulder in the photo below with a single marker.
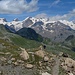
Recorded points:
(1, 73)
(65, 67)
(7, 53)
(40, 63)
(40, 53)
(15, 63)
(48, 68)
(13, 59)
(70, 74)
(9, 62)
(20, 61)
(24, 54)
(45, 73)
(61, 53)
(29, 66)
(46, 58)
(3, 59)
(69, 62)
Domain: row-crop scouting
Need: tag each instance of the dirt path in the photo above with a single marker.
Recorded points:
(55, 70)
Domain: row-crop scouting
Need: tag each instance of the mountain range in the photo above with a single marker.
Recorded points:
(51, 53)
(57, 31)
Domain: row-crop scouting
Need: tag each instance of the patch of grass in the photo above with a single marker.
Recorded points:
(56, 49)
(9, 47)
(25, 43)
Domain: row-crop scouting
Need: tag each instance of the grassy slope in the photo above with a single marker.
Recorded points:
(26, 43)
(57, 48)
(18, 41)
(10, 42)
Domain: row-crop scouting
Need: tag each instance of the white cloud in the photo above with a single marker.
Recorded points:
(54, 3)
(42, 15)
(17, 6)
(68, 16)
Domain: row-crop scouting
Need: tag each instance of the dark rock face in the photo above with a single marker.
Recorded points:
(69, 37)
(16, 19)
(29, 34)
(11, 28)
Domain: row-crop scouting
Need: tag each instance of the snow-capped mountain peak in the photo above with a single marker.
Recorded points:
(32, 21)
(69, 23)
(55, 30)
(3, 21)
(16, 19)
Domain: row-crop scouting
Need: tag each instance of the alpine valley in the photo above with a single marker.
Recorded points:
(37, 46)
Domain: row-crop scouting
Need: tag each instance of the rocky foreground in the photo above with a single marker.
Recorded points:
(36, 62)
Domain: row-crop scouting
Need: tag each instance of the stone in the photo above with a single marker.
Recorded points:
(13, 59)
(40, 63)
(48, 68)
(46, 73)
(3, 59)
(9, 62)
(29, 66)
(70, 74)
(40, 53)
(70, 62)
(20, 61)
(24, 54)
(62, 64)
(0, 72)
(61, 53)
(46, 58)
(16, 64)
(65, 67)
(7, 53)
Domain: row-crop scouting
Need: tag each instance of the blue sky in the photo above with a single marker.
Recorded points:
(54, 9)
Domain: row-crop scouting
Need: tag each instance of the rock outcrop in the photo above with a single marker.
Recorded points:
(40, 53)
(46, 58)
(69, 65)
(24, 54)
(29, 66)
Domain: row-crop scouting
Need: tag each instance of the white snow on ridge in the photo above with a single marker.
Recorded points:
(19, 24)
(3, 21)
(71, 24)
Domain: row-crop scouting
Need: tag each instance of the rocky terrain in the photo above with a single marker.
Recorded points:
(36, 62)
(26, 56)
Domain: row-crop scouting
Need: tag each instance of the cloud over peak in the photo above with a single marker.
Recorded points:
(68, 16)
(55, 3)
(42, 15)
(17, 6)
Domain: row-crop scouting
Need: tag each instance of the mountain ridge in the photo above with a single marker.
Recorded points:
(16, 21)
(55, 30)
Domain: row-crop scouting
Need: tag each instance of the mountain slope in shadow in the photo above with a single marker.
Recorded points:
(29, 34)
